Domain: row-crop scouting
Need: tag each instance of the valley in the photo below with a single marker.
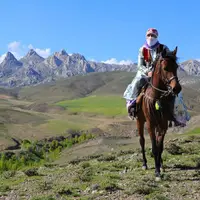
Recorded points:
(91, 104)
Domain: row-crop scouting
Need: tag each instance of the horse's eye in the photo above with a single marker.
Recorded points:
(165, 68)
(164, 65)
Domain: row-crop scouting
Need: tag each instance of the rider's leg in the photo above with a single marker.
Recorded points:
(131, 104)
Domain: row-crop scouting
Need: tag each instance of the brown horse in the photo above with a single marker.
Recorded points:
(161, 90)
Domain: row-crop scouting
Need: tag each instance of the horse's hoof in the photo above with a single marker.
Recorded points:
(144, 167)
(158, 179)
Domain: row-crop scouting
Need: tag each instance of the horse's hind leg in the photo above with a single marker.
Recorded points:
(160, 141)
(140, 127)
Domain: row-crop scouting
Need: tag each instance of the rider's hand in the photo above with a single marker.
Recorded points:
(149, 74)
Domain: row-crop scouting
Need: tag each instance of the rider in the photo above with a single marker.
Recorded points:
(147, 54)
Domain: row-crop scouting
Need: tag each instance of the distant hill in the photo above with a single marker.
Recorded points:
(104, 84)
(8, 92)
(78, 86)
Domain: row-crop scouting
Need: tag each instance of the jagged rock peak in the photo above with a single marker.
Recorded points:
(32, 52)
(10, 62)
(63, 52)
(9, 56)
(78, 56)
(192, 67)
(54, 60)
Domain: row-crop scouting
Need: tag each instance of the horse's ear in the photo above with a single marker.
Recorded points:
(175, 51)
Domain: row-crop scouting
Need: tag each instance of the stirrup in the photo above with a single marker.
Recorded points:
(131, 113)
(131, 117)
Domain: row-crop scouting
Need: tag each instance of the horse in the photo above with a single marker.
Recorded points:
(155, 104)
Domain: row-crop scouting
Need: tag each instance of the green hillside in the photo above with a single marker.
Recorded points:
(99, 84)
(9, 92)
(75, 87)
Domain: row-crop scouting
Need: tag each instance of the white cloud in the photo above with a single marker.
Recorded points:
(16, 49)
(2, 57)
(42, 52)
(114, 61)
(14, 46)
(91, 59)
(19, 50)
(30, 46)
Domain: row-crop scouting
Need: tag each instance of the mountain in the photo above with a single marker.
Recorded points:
(31, 58)
(102, 67)
(9, 65)
(33, 69)
(192, 67)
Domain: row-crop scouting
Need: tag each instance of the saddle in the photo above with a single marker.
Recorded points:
(139, 98)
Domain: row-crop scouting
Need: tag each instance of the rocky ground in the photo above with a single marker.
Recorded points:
(113, 174)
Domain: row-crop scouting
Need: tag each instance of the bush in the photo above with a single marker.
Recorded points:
(26, 144)
(38, 152)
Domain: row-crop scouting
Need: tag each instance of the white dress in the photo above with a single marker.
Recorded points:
(138, 81)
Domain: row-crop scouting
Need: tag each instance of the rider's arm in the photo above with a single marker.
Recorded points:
(141, 63)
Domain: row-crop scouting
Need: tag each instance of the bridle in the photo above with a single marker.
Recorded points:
(166, 81)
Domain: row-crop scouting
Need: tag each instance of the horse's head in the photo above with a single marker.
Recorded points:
(166, 70)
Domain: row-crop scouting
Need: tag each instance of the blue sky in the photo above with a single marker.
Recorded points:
(99, 29)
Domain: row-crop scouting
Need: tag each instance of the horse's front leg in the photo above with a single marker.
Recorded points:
(152, 134)
(162, 169)
(140, 127)
(156, 157)
(160, 144)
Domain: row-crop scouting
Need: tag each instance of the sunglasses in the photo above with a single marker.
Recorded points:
(151, 35)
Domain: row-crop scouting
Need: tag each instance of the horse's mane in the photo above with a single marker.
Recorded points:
(165, 54)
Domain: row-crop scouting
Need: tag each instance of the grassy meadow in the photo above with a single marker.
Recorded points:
(112, 106)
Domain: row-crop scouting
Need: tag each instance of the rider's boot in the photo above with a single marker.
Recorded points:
(131, 105)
